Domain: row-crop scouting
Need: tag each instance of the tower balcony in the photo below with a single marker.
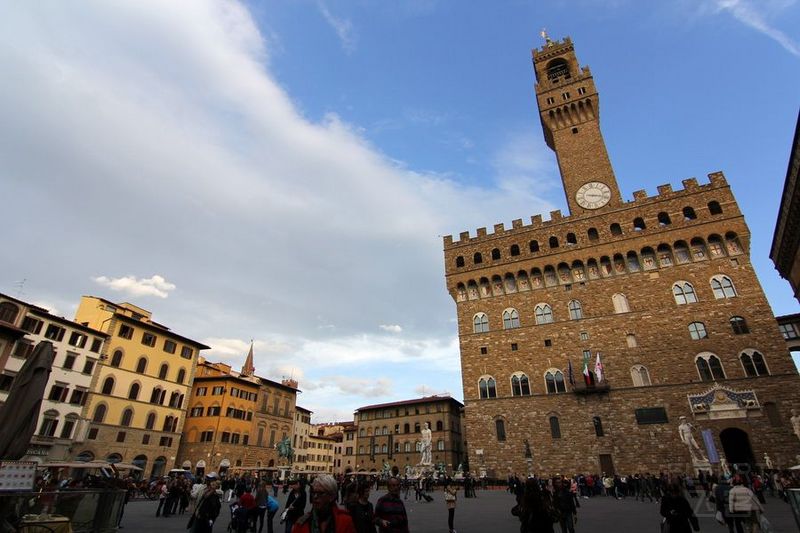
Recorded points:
(583, 389)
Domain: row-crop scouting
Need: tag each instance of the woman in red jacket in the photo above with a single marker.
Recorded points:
(325, 515)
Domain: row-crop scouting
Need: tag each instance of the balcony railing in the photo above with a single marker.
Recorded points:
(594, 388)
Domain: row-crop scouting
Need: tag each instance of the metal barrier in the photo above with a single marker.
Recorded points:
(89, 511)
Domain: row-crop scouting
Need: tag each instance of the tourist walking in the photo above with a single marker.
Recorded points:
(677, 512)
(360, 508)
(325, 516)
(743, 507)
(390, 513)
(450, 492)
(533, 509)
(720, 492)
(208, 506)
(564, 503)
(295, 504)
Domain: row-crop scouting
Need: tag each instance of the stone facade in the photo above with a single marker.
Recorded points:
(785, 252)
(390, 434)
(661, 287)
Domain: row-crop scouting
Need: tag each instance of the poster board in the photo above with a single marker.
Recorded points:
(17, 475)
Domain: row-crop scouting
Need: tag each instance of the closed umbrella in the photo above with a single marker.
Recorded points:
(19, 415)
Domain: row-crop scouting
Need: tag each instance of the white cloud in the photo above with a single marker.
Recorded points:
(755, 15)
(153, 286)
(391, 328)
(342, 26)
(365, 387)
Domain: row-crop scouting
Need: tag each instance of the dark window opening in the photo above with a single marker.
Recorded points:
(514, 250)
(534, 246)
(495, 254)
(593, 235)
(553, 242)
(638, 224)
(714, 208)
(571, 239)
(616, 229)
(477, 258)
(688, 213)
(459, 261)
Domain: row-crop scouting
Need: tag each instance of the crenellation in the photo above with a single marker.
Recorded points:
(448, 240)
(463, 236)
(717, 179)
(536, 220)
(516, 223)
(690, 184)
(641, 194)
(481, 232)
(499, 228)
(664, 190)
(555, 216)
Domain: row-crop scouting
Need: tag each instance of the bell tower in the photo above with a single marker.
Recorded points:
(569, 108)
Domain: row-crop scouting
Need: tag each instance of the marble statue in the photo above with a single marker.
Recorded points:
(425, 449)
(795, 423)
(768, 461)
(723, 465)
(687, 438)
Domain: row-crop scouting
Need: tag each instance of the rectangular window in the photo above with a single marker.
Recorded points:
(272, 438)
(23, 349)
(584, 336)
(165, 441)
(148, 339)
(66, 431)
(201, 391)
(196, 411)
(54, 332)
(96, 345)
(651, 415)
(514, 347)
(217, 391)
(125, 331)
(169, 346)
(235, 438)
(120, 436)
(788, 331)
(5, 381)
(88, 366)
(48, 428)
(92, 434)
(484, 350)
(245, 439)
(32, 325)
(69, 360)
(58, 393)
(226, 437)
(214, 411)
(78, 397)
(146, 438)
(187, 352)
(77, 339)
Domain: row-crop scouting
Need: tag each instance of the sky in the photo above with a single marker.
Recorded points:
(284, 171)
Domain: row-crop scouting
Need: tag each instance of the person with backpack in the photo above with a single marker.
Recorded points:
(677, 512)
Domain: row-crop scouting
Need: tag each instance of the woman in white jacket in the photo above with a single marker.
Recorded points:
(743, 506)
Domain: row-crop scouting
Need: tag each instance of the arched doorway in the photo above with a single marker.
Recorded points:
(736, 444)
(141, 462)
(158, 466)
(114, 458)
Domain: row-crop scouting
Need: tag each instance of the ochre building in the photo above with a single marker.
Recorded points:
(137, 397)
(661, 287)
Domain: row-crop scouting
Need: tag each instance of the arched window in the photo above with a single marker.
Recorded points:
(534, 246)
(500, 429)
(116, 359)
(709, 367)
(638, 224)
(362, 432)
(616, 229)
(598, 426)
(167, 423)
(592, 234)
(155, 396)
(571, 239)
(151, 421)
(477, 258)
(697, 331)
(133, 394)
(739, 325)
(630, 340)
(553, 242)
(162, 372)
(684, 293)
(181, 375)
(127, 416)
(141, 365)
(722, 286)
(439, 425)
(544, 314)
(575, 310)
(554, 381)
(514, 250)
(459, 261)
(688, 213)
(753, 363)
(488, 387)
(663, 219)
(510, 319)
(495, 254)
(520, 385)
(681, 252)
(555, 427)
(108, 385)
(99, 413)
(8, 312)
(714, 208)
(640, 376)
(620, 302)
(480, 323)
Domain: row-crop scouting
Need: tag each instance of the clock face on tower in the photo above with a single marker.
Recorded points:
(593, 195)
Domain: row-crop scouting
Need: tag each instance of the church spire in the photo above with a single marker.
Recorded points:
(248, 369)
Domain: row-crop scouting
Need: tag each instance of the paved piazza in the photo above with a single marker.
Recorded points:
(490, 512)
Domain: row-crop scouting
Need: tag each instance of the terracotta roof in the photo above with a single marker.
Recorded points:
(416, 401)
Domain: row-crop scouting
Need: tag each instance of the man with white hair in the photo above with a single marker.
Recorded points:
(325, 515)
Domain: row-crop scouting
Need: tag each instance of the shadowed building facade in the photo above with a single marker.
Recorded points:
(661, 287)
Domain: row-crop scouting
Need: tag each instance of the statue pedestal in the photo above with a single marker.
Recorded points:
(422, 470)
(700, 464)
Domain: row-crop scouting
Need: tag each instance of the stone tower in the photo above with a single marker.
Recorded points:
(660, 286)
(569, 108)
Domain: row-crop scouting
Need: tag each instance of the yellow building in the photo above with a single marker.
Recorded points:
(319, 452)
(136, 402)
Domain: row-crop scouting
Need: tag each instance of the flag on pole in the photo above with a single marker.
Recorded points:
(586, 377)
(598, 368)
(569, 372)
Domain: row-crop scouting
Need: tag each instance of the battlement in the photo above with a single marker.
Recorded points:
(716, 180)
(552, 49)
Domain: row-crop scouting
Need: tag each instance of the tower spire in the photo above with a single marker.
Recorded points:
(248, 369)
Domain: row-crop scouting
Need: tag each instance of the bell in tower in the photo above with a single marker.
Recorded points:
(569, 108)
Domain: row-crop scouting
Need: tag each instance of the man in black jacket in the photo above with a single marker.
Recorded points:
(565, 505)
(208, 506)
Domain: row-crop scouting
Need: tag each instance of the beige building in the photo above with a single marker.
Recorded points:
(659, 288)
(137, 399)
(319, 452)
(77, 351)
(301, 429)
(390, 434)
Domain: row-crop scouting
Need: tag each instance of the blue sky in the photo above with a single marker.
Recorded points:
(284, 170)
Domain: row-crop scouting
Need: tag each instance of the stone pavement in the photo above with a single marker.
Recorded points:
(489, 512)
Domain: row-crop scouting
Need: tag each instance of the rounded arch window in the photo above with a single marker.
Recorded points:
(495, 254)
(553, 242)
(722, 287)
(571, 239)
(162, 372)
(753, 363)
(514, 250)
(520, 384)
(181, 375)
(638, 224)
(616, 229)
(99, 413)
(543, 313)
(709, 367)
(554, 381)
(593, 235)
(151, 421)
(127, 417)
(558, 68)
(575, 310)
(459, 261)
(477, 258)
(697, 331)
(640, 376)
(480, 323)
(714, 208)
(116, 358)
(620, 302)
(663, 219)
(141, 365)
(133, 394)
(688, 213)
(488, 387)
(108, 385)
(534, 246)
(510, 319)
(739, 325)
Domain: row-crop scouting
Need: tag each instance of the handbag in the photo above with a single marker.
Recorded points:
(764, 524)
(719, 518)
